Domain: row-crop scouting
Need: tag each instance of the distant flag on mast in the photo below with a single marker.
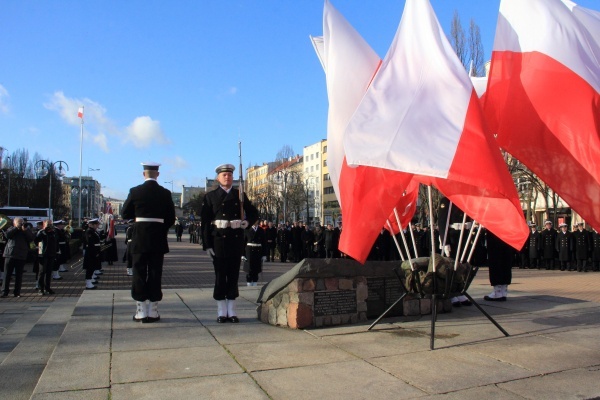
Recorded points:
(80, 112)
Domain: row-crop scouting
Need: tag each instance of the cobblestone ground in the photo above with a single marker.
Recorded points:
(187, 266)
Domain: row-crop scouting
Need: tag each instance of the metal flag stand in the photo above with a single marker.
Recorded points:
(448, 291)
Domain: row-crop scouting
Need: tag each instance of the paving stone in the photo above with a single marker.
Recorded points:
(150, 365)
(224, 387)
(161, 338)
(355, 379)
(579, 383)
(91, 394)
(75, 372)
(446, 370)
(291, 353)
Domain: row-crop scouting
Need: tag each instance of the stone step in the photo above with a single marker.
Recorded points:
(27, 343)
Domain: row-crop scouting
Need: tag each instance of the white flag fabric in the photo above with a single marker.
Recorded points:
(543, 96)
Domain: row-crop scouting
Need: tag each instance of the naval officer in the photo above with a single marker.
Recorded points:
(223, 224)
(152, 208)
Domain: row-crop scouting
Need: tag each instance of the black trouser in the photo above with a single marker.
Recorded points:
(549, 263)
(227, 273)
(533, 263)
(147, 276)
(564, 265)
(581, 265)
(254, 255)
(271, 253)
(596, 264)
(45, 275)
(10, 265)
(283, 253)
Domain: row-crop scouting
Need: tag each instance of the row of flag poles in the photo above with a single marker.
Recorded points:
(414, 117)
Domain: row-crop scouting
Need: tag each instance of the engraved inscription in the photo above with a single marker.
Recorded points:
(335, 302)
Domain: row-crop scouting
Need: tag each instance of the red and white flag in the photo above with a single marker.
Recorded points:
(80, 112)
(543, 97)
(366, 195)
(405, 208)
(421, 115)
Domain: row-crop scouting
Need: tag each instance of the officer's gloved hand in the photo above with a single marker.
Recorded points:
(210, 252)
(244, 224)
(244, 258)
(264, 258)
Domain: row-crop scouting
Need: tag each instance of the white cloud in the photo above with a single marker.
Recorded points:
(145, 131)
(233, 90)
(3, 100)
(142, 132)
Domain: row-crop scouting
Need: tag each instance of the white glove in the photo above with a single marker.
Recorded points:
(264, 258)
(244, 258)
(210, 252)
(244, 224)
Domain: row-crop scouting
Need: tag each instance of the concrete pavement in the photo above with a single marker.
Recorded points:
(88, 347)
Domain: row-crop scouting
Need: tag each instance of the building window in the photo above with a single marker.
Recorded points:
(324, 163)
(328, 190)
(312, 168)
(317, 156)
(317, 167)
(325, 177)
(324, 149)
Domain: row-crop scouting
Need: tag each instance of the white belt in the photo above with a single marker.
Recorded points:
(141, 219)
(460, 226)
(97, 244)
(129, 240)
(62, 242)
(254, 244)
(223, 223)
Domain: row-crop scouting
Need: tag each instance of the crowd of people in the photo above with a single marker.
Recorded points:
(47, 245)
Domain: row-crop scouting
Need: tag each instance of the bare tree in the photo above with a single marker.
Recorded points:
(476, 50)
(458, 39)
(284, 154)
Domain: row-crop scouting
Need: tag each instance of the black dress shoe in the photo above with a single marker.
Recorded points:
(4, 295)
(138, 319)
(488, 298)
(50, 291)
(221, 319)
(149, 320)
(17, 295)
(234, 319)
(466, 303)
(42, 292)
(456, 304)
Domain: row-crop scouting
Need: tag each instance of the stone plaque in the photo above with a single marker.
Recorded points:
(382, 293)
(335, 302)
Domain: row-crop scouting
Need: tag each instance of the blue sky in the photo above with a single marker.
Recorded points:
(178, 82)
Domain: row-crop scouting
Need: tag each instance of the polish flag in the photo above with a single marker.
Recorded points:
(80, 112)
(543, 97)
(421, 115)
(405, 208)
(366, 195)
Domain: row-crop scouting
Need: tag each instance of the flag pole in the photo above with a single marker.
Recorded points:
(80, 164)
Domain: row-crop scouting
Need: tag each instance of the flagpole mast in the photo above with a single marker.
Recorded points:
(80, 164)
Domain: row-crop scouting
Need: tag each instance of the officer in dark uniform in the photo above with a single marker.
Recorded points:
(223, 227)
(91, 258)
(581, 242)
(564, 247)
(152, 208)
(255, 239)
(595, 241)
(284, 237)
(128, 243)
(548, 237)
(271, 238)
(535, 247)
(454, 227)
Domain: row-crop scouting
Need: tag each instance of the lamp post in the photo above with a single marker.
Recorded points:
(91, 195)
(49, 167)
(8, 171)
(171, 182)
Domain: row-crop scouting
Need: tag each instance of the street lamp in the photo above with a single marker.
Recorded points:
(75, 193)
(46, 167)
(8, 172)
(91, 198)
(171, 182)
